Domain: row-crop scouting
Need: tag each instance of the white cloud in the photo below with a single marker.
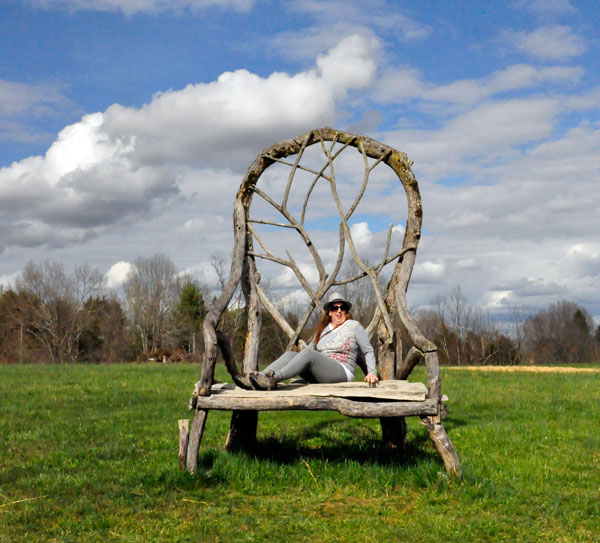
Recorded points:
(35, 100)
(130, 7)
(484, 131)
(553, 43)
(404, 84)
(361, 234)
(8, 280)
(468, 264)
(334, 19)
(584, 260)
(378, 14)
(23, 104)
(224, 122)
(122, 164)
(117, 274)
(428, 272)
(547, 7)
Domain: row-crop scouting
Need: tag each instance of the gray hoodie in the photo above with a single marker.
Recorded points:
(342, 344)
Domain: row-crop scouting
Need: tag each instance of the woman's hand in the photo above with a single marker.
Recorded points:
(371, 378)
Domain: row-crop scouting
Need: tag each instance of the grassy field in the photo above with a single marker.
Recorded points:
(89, 453)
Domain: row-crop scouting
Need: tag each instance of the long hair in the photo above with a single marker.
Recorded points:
(325, 320)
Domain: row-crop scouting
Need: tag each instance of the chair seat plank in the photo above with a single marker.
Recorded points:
(385, 390)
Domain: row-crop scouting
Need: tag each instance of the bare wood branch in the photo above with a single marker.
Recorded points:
(293, 173)
(320, 175)
(443, 445)
(300, 276)
(227, 352)
(272, 223)
(291, 165)
(277, 316)
(412, 359)
(374, 268)
(363, 187)
(211, 320)
(388, 242)
(350, 408)
(268, 199)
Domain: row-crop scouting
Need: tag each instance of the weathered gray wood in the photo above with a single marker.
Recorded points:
(434, 379)
(385, 390)
(184, 436)
(407, 365)
(227, 352)
(196, 432)
(209, 325)
(242, 431)
(351, 408)
(443, 445)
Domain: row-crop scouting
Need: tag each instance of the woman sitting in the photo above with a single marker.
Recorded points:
(330, 357)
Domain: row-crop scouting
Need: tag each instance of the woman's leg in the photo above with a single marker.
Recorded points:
(321, 367)
(281, 362)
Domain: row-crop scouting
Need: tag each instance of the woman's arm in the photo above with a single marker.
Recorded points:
(362, 339)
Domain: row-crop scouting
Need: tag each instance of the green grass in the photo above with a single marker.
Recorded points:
(89, 453)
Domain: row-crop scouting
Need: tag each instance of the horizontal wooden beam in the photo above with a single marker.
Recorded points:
(352, 408)
(384, 390)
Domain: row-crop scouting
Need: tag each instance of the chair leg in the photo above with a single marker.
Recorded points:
(443, 445)
(242, 431)
(393, 431)
(194, 440)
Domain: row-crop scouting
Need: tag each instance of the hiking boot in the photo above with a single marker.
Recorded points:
(264, 382)
(243, 381)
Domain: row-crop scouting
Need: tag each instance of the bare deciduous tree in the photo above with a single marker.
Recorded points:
(54, 305)
(150, 290)
(562, 333)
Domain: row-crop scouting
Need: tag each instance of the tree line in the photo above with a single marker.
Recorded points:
(52, 316)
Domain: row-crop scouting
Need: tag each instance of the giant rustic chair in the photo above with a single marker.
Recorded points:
(307, 187)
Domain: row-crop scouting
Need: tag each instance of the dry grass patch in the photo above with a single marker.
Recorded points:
(529, 369)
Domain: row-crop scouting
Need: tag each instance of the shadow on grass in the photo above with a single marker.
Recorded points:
(342, 441)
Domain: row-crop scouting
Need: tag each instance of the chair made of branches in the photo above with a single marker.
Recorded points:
(314, 157)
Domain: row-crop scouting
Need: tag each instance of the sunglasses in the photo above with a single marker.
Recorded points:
(335, 308)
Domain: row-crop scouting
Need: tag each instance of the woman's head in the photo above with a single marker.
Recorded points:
(336, 311)
(338, 300)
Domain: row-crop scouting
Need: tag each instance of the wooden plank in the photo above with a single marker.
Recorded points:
(385, 390)
(267, 401)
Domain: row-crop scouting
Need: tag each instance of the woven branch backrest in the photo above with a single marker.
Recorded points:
(314, 157)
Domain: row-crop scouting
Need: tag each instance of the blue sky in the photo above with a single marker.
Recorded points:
(126, 126)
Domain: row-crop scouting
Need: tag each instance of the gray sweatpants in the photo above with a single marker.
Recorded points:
(309, 364)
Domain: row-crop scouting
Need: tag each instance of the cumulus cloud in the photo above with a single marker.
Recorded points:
(361, 234)
(428, 272)
(584, 260)
(487, 129)
(557, 42)
(115, 166)
(117, 274)
(527, 287)
(223, 122)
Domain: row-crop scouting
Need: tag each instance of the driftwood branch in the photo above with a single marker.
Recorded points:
(412, 359)
(344, 406)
